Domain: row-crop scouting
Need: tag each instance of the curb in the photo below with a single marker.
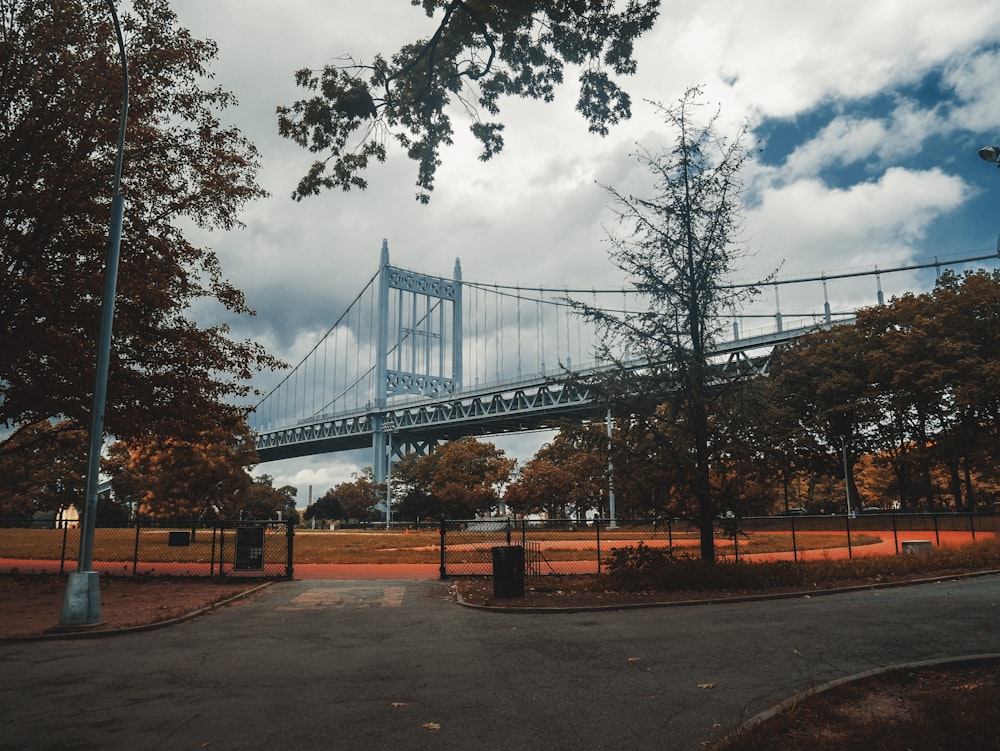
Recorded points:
(93, 632)
(801, 696)
(536, 610)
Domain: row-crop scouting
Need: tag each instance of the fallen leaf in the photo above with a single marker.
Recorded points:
(634, 659)
(706, 685)
(432, 726)
(397, 704)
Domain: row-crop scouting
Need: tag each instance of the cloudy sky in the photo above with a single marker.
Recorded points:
(869, 114)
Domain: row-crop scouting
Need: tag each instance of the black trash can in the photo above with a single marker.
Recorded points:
(249, 548)
(508, 571)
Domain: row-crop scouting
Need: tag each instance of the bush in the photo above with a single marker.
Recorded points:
(643, 568)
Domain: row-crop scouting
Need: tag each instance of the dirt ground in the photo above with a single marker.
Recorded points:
(30, 605)
(896, 707)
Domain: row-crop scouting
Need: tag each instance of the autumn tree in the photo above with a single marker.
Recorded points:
(261, 500)
(411, 490)
(175, 478)
(825, 403)
(60, 97)
(360, 496)
(934, 366)
(967, 311)
(466, 477)
(479, 52)
(42, 469)
(677, 247)
(539, 487)
(567, 476)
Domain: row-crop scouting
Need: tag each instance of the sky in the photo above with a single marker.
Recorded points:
(868, 115)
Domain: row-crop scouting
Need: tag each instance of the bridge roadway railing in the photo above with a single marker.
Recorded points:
(502, 407)
(531, 402)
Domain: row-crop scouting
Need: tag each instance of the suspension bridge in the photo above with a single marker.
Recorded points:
(418, 359)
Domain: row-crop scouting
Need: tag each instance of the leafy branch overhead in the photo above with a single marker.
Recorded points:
(480, 51)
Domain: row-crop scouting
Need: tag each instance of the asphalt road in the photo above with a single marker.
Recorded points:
(397, 665)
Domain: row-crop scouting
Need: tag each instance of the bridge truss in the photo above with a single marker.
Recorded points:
(420, 359)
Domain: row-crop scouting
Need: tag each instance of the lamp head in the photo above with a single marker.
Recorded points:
(990, 153)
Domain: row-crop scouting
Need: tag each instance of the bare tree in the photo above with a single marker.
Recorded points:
(677, 246)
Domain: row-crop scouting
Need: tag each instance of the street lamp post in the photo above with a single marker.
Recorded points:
(388, 427)
(82, 601)
(990, 154)
(611, 475)
(847, 481)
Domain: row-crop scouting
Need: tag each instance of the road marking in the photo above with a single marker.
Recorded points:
(344, 597)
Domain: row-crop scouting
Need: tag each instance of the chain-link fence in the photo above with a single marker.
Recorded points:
(584, 547)
(152, 548)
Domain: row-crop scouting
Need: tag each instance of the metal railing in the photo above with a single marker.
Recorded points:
(153, 547)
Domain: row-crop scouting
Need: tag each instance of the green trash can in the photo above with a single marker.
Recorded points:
(508, 571)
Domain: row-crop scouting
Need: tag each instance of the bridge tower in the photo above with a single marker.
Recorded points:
(418, 349)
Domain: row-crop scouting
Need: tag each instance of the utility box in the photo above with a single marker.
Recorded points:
(250, 548)
(178, 539)
(508, 571)
(917, 547)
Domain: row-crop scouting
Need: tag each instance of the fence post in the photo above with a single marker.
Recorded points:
(670, 534)
(222, 547)
(937, 530)
(290, 537)
(508, 531)
(850, 550)
(736, 545)
(795, 545)
(211, 565)
(895, 533)
(597, 525)
(972, 524)
(442, 570)
(62, 556)
(135, 556)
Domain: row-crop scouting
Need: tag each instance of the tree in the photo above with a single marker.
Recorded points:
(480, 51)
(825, 403)
(60, 96)
(540, 487)
(41, 469)
(360, 496)
(678, 247)
(568, 475)
(465, 476)
(174, 478)
(326, 508)
(261, 500)
(411, 491)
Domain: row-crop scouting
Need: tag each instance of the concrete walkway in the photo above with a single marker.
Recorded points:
(359, 665)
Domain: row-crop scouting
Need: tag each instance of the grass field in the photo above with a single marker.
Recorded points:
(399, 545)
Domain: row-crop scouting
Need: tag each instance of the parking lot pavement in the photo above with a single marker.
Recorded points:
(397, 664)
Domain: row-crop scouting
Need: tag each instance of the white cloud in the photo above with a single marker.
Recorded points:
(534, 214)
(976, 79)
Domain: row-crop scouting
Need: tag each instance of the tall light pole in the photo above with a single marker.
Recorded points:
(82, 602)
(990, 154)
(611, 474)
(388, 427)
(847, 481)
